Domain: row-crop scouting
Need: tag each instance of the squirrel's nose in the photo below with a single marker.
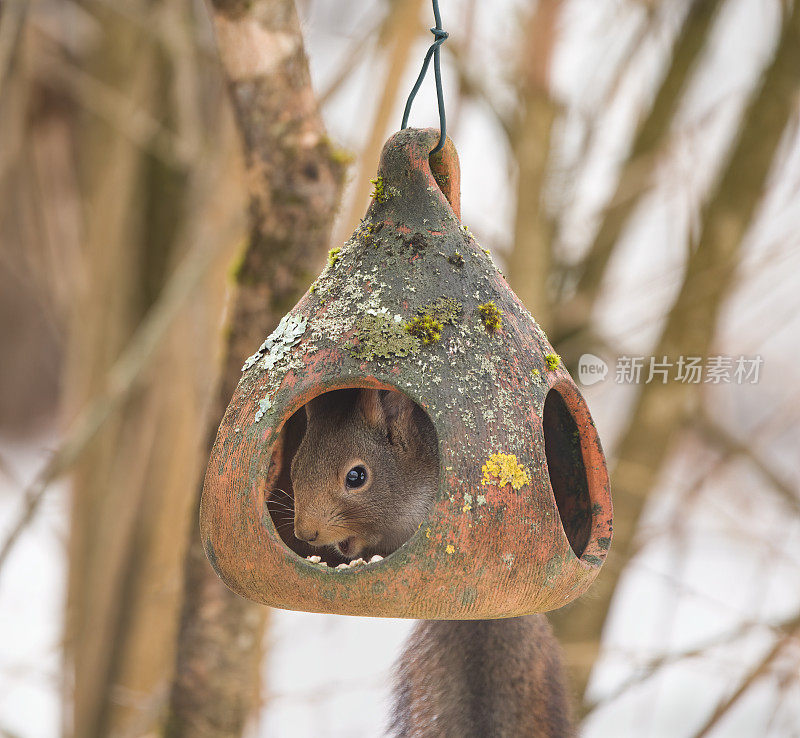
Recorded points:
(309, 536)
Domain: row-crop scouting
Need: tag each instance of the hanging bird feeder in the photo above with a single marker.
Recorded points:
(522, 518)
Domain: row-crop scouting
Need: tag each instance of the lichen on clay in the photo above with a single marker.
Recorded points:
(263, 406)
(446, 310)
(491, 316)
(552, 361)
(502, 469)
(279, 342)
(383, 337)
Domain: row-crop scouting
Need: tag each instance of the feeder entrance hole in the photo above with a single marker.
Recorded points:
(567, 471)
(390, 441)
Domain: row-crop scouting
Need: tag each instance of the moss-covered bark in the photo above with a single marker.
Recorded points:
(295, 176)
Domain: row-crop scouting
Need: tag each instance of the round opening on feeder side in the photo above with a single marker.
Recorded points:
(575, 467)
(340, 428)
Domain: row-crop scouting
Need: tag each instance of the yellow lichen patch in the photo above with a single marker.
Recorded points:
(428, 533)
(466, 508)
(552, 361)
(333, 256)
(503, 469)
(450, 548)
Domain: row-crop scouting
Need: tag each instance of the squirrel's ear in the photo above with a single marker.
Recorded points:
(316, 407)
(369, 402)
(399, 411)
(308, 407)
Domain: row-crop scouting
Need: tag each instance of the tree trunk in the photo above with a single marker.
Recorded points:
(295, 177)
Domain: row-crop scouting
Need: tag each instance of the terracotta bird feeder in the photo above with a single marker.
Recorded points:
(522, 519)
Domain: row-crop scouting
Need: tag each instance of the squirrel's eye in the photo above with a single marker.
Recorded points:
(356, 477)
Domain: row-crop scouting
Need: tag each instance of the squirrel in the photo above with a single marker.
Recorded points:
(364, 478)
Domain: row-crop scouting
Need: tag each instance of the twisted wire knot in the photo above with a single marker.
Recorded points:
(440, 36)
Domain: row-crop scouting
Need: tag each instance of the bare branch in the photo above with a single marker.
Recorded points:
(723, 438)
(759, 670)
(653, 666)
(661, 409)
(650, 137)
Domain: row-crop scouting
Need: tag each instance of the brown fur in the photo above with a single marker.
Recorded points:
(481, 679)
(395, 440)
(455, 679)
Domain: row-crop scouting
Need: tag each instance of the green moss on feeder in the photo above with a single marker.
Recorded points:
(456, 259)
(378, 336)
(552, 361)
(446, 310)
(491, 316)
(426, 328)
(379, 192)
(333, 256)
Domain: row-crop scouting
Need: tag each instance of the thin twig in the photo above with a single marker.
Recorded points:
(721, 437)
(750, 678)
(653, 666)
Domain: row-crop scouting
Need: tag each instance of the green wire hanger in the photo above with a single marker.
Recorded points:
(440, 36)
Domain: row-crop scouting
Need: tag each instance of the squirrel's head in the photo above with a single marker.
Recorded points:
(365, 473)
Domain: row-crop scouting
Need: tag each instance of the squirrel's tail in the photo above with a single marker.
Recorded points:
(481, 679)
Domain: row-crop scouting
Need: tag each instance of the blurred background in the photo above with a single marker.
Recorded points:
(172, 174)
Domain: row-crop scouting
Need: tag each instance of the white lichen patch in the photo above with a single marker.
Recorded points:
(263, 406)
(350, 301)
(279, 342)
(508, 559)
